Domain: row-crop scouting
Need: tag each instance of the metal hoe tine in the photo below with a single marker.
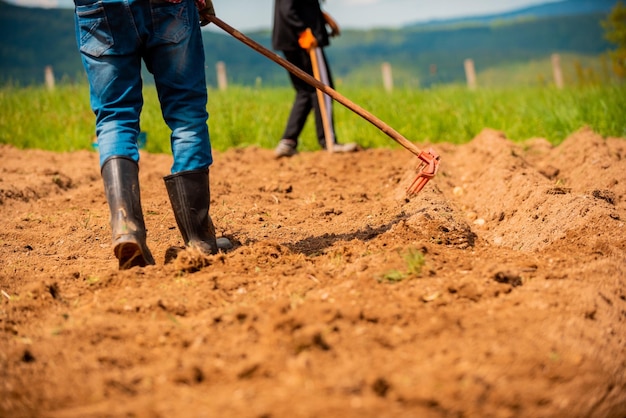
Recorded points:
(426, 170)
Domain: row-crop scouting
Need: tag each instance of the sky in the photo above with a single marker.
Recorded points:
(350, 14)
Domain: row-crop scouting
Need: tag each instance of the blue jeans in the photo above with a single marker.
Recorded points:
(114, 36)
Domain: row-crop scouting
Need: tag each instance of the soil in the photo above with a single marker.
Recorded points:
(497, 291)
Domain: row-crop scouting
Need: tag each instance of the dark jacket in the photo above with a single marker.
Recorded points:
(292, 17)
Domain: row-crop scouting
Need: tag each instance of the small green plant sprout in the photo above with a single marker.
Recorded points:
(393, 276)
(415, 262)
(92, 280)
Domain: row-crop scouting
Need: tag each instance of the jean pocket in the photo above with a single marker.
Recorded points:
(94, 31)
(170, 20)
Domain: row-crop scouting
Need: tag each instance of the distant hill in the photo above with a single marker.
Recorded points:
(31, 38)
(553, 9)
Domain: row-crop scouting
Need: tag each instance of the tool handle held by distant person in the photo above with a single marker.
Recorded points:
(429, 159)
(321, 99)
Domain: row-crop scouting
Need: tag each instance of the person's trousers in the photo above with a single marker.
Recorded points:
(306, 97)
(114, 36)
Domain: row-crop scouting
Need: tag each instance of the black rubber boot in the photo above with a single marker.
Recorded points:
(121, 185)
(190, 197)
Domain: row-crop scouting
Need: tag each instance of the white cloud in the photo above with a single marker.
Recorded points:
(257, 14)
(48, 4)
(358, 2)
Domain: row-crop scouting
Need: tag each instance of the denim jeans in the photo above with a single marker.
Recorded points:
(113, 37)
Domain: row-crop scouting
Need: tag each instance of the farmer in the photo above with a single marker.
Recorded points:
(113, 37)
(300, 25)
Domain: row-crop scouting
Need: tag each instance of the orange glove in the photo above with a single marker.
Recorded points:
(334, 27)
(307, 40)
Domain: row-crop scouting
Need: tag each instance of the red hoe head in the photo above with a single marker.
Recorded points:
(426, 170)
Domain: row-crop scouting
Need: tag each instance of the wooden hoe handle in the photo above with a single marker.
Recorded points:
(431, 157)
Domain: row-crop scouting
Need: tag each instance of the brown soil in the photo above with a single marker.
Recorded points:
(321, 309)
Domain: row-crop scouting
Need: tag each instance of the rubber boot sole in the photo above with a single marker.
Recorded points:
(130, 254)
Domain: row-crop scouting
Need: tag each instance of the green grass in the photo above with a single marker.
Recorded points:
(61, 120)
(577, 70)
(414, 260)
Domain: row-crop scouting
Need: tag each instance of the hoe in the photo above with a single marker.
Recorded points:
(428, 160)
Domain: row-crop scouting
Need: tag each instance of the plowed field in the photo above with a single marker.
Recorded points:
(324, 307)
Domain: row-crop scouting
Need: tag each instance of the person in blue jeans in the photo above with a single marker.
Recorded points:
(114, 37)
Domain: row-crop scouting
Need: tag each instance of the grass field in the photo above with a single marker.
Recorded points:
(61, 120)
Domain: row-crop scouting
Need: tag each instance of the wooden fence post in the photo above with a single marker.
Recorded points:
(556, 71)
(49, 77)
(222, 82)
(470, 74)
(387, 77)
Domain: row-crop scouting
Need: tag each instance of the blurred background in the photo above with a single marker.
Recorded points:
(420, 44)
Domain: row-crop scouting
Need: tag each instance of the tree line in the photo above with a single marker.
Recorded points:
(32, 38)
